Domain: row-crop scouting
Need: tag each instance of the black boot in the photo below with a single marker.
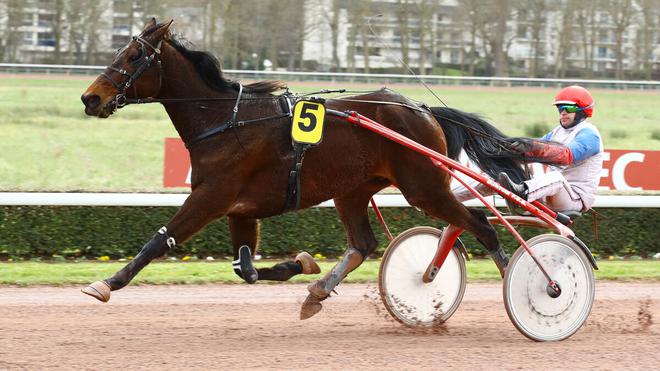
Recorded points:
(519, 190)
(243, 265)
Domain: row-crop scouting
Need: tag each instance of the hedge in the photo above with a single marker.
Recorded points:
(118, 232)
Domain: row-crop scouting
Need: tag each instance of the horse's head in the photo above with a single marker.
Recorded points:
(134, 73)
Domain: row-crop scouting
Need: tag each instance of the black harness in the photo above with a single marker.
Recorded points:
(286, 102)
(233, 122)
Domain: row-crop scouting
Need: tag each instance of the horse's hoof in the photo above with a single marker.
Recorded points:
(99, 289)
(251, 277)
(308, 264)
(316, 289)
(310, 307)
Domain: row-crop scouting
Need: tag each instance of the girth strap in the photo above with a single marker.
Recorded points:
(293, 186)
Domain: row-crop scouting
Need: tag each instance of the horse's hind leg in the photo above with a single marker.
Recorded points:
(353, 212)
(245, 239)
(427, 187)
(439, 202)
(195, 213)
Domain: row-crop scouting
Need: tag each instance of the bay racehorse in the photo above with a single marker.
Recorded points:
(242, 159)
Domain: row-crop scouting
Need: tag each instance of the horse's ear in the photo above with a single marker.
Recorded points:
(150, 23)
(161, 30)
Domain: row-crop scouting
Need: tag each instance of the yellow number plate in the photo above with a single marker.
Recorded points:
(307, 124)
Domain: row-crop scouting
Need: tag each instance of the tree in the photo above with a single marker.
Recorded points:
(497, 38)
(355, 20)
(75, 16)
(403, 20)
(491, 22)
(154, 8)
(58, 29)
(4, 30)
(650, 11)
(467, 16)
(621, 13)
(589, 28)
(535, 13)
(12, 38)
(92, 31)
(231, 33)
(425, 11)
(566, 36)
(364, 33)
(334, 29)
(303, 31)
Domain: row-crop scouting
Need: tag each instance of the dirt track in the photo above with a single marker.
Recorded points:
(240, 326)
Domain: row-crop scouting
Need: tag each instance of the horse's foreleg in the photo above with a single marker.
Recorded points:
(191, 217)
(245, 238)
(321, 289)
(352, 210)
(159, 244)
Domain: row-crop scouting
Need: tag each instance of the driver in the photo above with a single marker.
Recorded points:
(575, 150)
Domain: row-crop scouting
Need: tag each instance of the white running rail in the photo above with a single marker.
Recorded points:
(19, 68)
(176, 199)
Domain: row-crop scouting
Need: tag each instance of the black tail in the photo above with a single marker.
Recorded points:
(484, 144)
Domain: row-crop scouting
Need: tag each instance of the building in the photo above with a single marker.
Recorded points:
(436, 37)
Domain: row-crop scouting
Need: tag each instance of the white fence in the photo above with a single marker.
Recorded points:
(176, 199)
(18, 68)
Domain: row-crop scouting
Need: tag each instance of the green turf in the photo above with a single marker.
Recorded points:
(36, 273)
(48, 143)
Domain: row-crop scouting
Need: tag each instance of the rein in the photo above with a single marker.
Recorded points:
(142, 64)
(503, 144)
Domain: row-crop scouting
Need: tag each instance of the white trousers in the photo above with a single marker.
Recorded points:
(550, 188)
(553, 190)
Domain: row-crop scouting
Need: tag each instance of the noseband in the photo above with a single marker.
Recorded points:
(141, 65)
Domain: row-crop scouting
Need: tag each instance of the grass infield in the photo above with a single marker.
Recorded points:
(168, 273)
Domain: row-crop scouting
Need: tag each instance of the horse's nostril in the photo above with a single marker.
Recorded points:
(90, 100)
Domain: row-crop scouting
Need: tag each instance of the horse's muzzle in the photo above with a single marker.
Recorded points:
(92, 104)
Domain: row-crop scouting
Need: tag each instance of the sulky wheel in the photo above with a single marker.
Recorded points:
(407, 298)
(537, 311)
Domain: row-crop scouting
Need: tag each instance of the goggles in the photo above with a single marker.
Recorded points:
(570, 108)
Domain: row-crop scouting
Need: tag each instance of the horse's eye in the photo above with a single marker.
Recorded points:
(135, 57)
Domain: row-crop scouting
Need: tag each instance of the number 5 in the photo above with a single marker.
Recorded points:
(305, 114)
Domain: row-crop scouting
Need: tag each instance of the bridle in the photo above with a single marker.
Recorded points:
(141, 64)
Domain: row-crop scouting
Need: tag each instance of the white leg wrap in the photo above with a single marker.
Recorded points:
(170, 240)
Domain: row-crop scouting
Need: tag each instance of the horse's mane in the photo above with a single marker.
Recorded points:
(208, 69)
